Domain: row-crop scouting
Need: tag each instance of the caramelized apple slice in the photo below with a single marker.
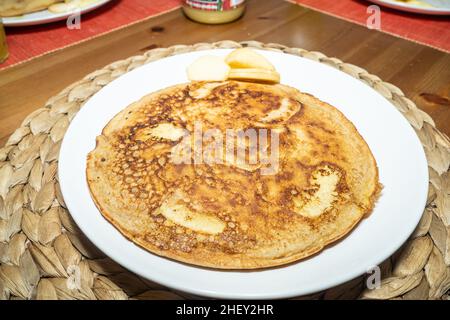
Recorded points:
(248, 59)
(256, 75)
(208, 68)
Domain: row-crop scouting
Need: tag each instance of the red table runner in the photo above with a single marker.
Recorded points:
(26, 43)
(29, 42)
(433, 31)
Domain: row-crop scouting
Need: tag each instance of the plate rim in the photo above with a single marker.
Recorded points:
(215, 294)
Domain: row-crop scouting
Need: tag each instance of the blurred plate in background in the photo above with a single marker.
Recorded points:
(45, 16)
(434, 7)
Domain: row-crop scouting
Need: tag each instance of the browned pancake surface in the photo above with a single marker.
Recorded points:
(229, 215)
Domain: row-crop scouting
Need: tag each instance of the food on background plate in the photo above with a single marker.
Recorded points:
(70, 5)
(416, 3)
(19, 7)
(166, 175)
(10, 8)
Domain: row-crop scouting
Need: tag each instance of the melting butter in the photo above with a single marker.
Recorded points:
(176, 210)
(286, 110)
(322, 199)
(165, 131)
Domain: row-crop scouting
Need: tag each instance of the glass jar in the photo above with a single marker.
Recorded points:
(214, 11)
(3, 46)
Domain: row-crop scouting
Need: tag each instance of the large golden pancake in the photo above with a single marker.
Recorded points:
(233, 213)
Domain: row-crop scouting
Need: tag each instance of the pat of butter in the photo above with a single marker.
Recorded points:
(208, 68)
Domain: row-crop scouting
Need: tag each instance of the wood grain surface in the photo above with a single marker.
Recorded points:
(421, 72)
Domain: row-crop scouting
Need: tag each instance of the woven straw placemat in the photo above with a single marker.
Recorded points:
(44, 255)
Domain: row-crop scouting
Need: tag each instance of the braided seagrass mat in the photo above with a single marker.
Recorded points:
(43, 253)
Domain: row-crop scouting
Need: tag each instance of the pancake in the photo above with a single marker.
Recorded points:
(10, 8)
(311, 182)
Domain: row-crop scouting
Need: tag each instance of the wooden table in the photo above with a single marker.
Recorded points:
(421, 72)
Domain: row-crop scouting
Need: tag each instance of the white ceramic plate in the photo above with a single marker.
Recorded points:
(438, 7)
(45, 16)
(399, 154)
